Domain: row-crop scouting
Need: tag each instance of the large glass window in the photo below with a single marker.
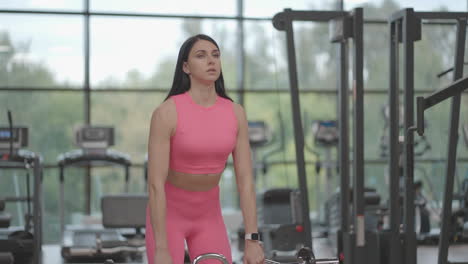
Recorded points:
(376, 57)
(316, 56)
(375, 128)
(62, 5)
(130, 115)
(184, 7)
(47, 51)
(378, 9)
(41, 51)
(255, 8)
(439, 42)
(142, 52)
(50, 117)
(431, 168)
(265, 57)
(281, 170)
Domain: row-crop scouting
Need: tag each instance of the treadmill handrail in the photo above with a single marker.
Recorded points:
(21, 157)
(112, 250)
(78, 156)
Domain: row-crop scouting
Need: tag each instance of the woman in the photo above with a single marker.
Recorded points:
(191, 136)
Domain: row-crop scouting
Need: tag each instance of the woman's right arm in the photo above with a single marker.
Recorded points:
(158, 166)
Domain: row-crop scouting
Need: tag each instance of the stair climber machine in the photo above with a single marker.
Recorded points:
(20, 244)
(120, 213)
(422, 146)
(279, 209)
(326, 135)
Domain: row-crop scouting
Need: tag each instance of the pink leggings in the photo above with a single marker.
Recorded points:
(194, 217)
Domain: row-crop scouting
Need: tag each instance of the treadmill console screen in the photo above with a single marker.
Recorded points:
(258, 133)
(326, 132)
(94, 134)
(6, 134)
(19, 136)
(94, 137)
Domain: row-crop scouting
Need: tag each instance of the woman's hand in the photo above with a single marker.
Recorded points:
(162, 256)
(253, 252)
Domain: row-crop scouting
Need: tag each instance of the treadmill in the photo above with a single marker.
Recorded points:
(20, 244)
(87, 243)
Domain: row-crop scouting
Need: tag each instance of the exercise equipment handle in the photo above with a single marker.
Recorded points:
(219, 257)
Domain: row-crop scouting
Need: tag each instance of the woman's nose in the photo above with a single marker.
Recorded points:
(211, 60)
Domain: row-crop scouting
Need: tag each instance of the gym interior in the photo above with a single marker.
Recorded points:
(357, 119)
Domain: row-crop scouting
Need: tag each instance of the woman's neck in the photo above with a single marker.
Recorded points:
(203, 94)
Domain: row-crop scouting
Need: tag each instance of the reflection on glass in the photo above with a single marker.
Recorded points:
(41, 51)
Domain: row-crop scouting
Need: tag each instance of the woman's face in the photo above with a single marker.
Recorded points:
(203, 62)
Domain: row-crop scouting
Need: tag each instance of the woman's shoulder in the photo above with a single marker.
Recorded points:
(238, 110)
(166, 111)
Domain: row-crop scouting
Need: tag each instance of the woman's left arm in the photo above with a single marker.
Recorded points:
(246, 187)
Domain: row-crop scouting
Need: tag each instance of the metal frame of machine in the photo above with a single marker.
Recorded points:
(346, 25)
(405, 28)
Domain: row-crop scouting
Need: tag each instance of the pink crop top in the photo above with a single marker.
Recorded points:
(204, 136)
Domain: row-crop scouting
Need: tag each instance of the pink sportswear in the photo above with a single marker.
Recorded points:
(193, 217)
(204, 136)
(203, 140)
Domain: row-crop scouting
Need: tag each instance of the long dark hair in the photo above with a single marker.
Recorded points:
(181, 82)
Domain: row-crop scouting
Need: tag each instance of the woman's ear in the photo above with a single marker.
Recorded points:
(185, 68)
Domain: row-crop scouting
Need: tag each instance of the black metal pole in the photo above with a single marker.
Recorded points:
(452, 146)
(358, 134)
(298, 131)
(37, 220)
(62, 201)
(394, 173)
(87, 94)
(343, 146)
(87, 101)
(127, 178)
(241, 51)
(408, 49)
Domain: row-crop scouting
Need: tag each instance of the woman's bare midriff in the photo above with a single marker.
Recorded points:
(193, 182)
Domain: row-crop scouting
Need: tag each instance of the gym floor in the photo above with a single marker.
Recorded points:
(426, 254)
